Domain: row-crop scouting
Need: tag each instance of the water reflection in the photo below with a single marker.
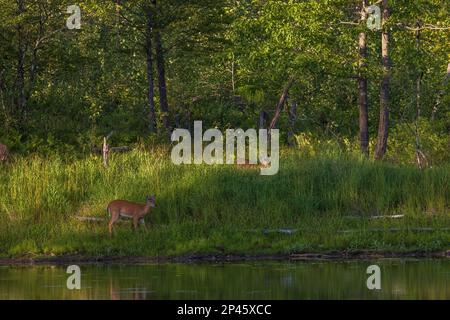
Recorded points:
(400, 279)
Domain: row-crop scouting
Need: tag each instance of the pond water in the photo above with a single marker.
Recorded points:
(400, 279)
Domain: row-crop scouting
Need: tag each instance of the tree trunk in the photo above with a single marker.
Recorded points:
(21, 49)
(440, 94)
(383, 125)
(105, 152)
(281, 103)
(162, 90)
(362, 87)
(162, 81)
(233, 81)
(262, 119)
(420, 156)
(150, 82)
(292, 114)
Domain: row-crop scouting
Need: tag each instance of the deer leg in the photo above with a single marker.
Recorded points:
(142, 222)
(114, 218)
(135, 222)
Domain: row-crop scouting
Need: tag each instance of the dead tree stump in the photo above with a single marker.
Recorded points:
(4, 153)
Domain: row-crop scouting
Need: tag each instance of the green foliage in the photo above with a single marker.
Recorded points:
(225, 62)
(200, 208)
(433, 143)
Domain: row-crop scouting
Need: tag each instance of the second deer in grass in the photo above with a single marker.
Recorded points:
(125, 209)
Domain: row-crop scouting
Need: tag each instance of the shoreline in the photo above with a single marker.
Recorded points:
(223, 258)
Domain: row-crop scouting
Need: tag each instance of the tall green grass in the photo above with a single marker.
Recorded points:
(207, 209)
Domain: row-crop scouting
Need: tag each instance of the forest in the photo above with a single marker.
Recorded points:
(361, 98)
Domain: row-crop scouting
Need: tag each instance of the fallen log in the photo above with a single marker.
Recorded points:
(395, 216)
(394, 230)
(94, 219)
(282, 231)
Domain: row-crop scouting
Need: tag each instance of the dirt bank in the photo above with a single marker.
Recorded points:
(211, 258)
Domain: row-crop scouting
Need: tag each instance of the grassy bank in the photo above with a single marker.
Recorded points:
(222, 209)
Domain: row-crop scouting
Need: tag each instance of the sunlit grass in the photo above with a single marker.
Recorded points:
(215, 209)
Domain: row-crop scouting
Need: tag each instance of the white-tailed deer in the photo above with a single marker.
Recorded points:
(125, 209)
(4, 153)
(248, 165)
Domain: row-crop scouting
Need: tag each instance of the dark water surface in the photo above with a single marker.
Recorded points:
(400, 279)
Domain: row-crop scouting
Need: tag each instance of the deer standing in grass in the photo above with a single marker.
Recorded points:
(125, 209)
